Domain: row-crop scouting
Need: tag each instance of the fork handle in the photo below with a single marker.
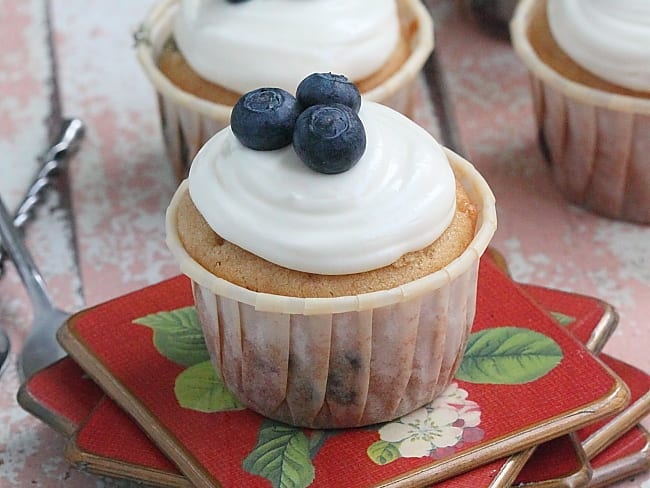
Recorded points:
(53, 161)
(18, 252)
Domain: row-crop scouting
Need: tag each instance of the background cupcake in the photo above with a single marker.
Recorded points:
(590, 72)
(201, 56)
(333, 295)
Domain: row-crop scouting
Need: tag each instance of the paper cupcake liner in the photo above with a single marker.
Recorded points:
(188, 121)
(343, 361)
(598, 142)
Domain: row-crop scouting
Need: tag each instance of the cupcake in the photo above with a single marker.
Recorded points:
(202, 55)
(590, 71)
(335, 277)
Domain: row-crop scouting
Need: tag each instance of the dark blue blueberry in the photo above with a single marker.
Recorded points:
(264, 119)
(236, 1)
(329, 139)
(327, 89)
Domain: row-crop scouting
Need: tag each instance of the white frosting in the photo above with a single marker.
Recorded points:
(609, 38)
(277, 43)
(398, 198)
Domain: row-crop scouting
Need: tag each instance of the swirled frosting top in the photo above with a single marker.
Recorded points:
(242, 46)
(609, 38)
(399, 197)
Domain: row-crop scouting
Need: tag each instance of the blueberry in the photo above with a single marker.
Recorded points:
(235, 1)
(329, 139)
(327, 89)
(264, 119)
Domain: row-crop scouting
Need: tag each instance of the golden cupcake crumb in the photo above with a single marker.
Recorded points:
(236, 265)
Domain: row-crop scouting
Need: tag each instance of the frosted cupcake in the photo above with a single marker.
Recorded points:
(590, 70)
(333, 293)
(202, 55)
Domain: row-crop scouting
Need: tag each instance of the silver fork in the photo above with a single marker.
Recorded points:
(41, 348)
(54, 161)
(5, 347)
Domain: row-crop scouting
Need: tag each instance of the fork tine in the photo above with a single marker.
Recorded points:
(41, 347)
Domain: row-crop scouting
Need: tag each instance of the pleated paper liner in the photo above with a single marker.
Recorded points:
(236, 447)
(596, 134)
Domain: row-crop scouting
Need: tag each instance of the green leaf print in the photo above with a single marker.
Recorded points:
(508, 356)
(200, 388)
(281, 456)
(383, 452)
(563, 319)
(177, 335)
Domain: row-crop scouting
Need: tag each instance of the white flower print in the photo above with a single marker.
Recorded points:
(456, 398)
(470, 415)
(452, 395)
(437, 429)
(422, 431)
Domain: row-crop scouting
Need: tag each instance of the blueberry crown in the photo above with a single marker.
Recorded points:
(321, 121)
